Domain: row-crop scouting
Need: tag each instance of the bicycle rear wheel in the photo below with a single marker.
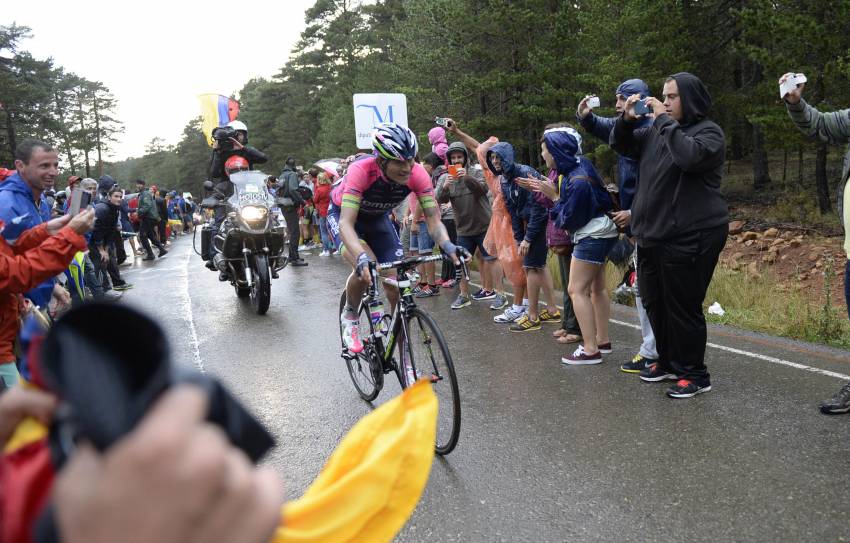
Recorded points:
(426, 349)
(364, 367)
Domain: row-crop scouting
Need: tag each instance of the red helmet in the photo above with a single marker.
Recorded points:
(235, 163)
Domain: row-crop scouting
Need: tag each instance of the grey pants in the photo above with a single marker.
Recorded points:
(647, 348)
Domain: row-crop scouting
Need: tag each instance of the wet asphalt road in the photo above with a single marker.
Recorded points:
(546, 452)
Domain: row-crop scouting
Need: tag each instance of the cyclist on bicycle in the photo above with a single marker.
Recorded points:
(359, 215)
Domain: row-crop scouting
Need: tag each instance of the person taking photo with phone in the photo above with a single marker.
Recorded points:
(627, 176)
(23, 206)
(680, 221)
(832, 127)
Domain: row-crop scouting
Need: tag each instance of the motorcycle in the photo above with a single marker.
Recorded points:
(250, 240)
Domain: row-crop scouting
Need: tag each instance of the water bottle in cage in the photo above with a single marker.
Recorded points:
(376, 313)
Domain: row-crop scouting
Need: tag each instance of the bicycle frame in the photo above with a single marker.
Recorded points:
(406, 303)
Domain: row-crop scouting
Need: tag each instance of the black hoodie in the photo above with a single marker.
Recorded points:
(681, 165)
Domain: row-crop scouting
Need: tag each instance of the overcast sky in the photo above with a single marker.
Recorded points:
(157, 56)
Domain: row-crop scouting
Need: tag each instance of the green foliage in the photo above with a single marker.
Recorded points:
(43, 101)
(500, 68)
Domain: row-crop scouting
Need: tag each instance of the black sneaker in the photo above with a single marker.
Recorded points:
(123, 286)
(838, 404)
(653, 373)
(162, 253)
(685, 388)
(637, 364)
(149, 257)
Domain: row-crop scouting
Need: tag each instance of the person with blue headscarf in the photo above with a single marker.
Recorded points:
(581, 207)
(628, 170)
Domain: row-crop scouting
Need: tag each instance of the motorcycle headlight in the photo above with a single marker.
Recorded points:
(254, 213)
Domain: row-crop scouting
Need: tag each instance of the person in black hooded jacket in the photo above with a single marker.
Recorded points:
(105, 235)
(680, 221)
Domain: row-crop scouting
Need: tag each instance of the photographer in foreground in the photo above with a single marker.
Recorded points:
(832, 127)
(207, 490)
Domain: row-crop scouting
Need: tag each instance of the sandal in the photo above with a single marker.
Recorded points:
(560, 332)
(569, 338)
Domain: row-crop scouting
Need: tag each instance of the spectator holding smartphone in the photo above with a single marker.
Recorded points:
(680, 221)
(832, 127)
(39, 253)
(627, 174)
(23, 206)
(464, 187)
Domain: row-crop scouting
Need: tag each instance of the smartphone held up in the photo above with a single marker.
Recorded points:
(641, 108)
(442, 121)
(793, 81)
(593, 102)
(80, 200)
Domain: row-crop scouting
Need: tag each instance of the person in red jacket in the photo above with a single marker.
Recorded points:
(38, 254)
(322, 199)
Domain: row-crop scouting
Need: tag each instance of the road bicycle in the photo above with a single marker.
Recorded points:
(408, 343)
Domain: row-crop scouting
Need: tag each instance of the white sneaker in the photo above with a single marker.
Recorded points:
(510, 315)
(338, 252)
(325, 253)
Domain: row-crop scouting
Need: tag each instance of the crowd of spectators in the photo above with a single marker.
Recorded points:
(665, 219)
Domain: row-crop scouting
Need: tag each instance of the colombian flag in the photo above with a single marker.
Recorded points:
(217, 110)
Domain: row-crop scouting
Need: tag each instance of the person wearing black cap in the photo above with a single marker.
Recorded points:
(680, 220)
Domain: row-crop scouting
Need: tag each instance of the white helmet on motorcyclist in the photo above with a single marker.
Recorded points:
(238, 125)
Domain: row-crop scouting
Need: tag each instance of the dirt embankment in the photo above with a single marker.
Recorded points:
(796, 257)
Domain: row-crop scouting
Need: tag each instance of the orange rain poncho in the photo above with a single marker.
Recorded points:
(499, 240)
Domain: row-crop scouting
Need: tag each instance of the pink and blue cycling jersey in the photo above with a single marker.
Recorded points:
(364, 188)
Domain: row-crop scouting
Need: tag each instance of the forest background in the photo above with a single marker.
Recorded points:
(500, 68)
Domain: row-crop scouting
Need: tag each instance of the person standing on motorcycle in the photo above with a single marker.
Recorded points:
(291, 200)
(225, 148)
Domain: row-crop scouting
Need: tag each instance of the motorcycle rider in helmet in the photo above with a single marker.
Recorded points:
(234, 164)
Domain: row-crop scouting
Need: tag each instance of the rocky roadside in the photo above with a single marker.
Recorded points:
(795, 260)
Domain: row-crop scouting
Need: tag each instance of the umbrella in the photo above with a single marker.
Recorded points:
(330, 165)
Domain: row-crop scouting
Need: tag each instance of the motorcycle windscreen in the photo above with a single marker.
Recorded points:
(249, 188)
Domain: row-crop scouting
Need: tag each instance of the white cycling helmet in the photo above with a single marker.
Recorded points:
(238, 125)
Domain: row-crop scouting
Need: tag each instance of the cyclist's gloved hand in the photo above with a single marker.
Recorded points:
(362, 269)
(452, 250)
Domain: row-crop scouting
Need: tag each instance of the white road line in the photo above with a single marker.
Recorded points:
(741, 352)
(758, 356)
(186, 311)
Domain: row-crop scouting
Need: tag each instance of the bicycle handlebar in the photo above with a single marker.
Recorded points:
(409, 263)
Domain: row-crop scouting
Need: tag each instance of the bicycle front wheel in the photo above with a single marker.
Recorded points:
(427, 351)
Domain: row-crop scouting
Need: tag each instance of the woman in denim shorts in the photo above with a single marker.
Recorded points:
(581, 206)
